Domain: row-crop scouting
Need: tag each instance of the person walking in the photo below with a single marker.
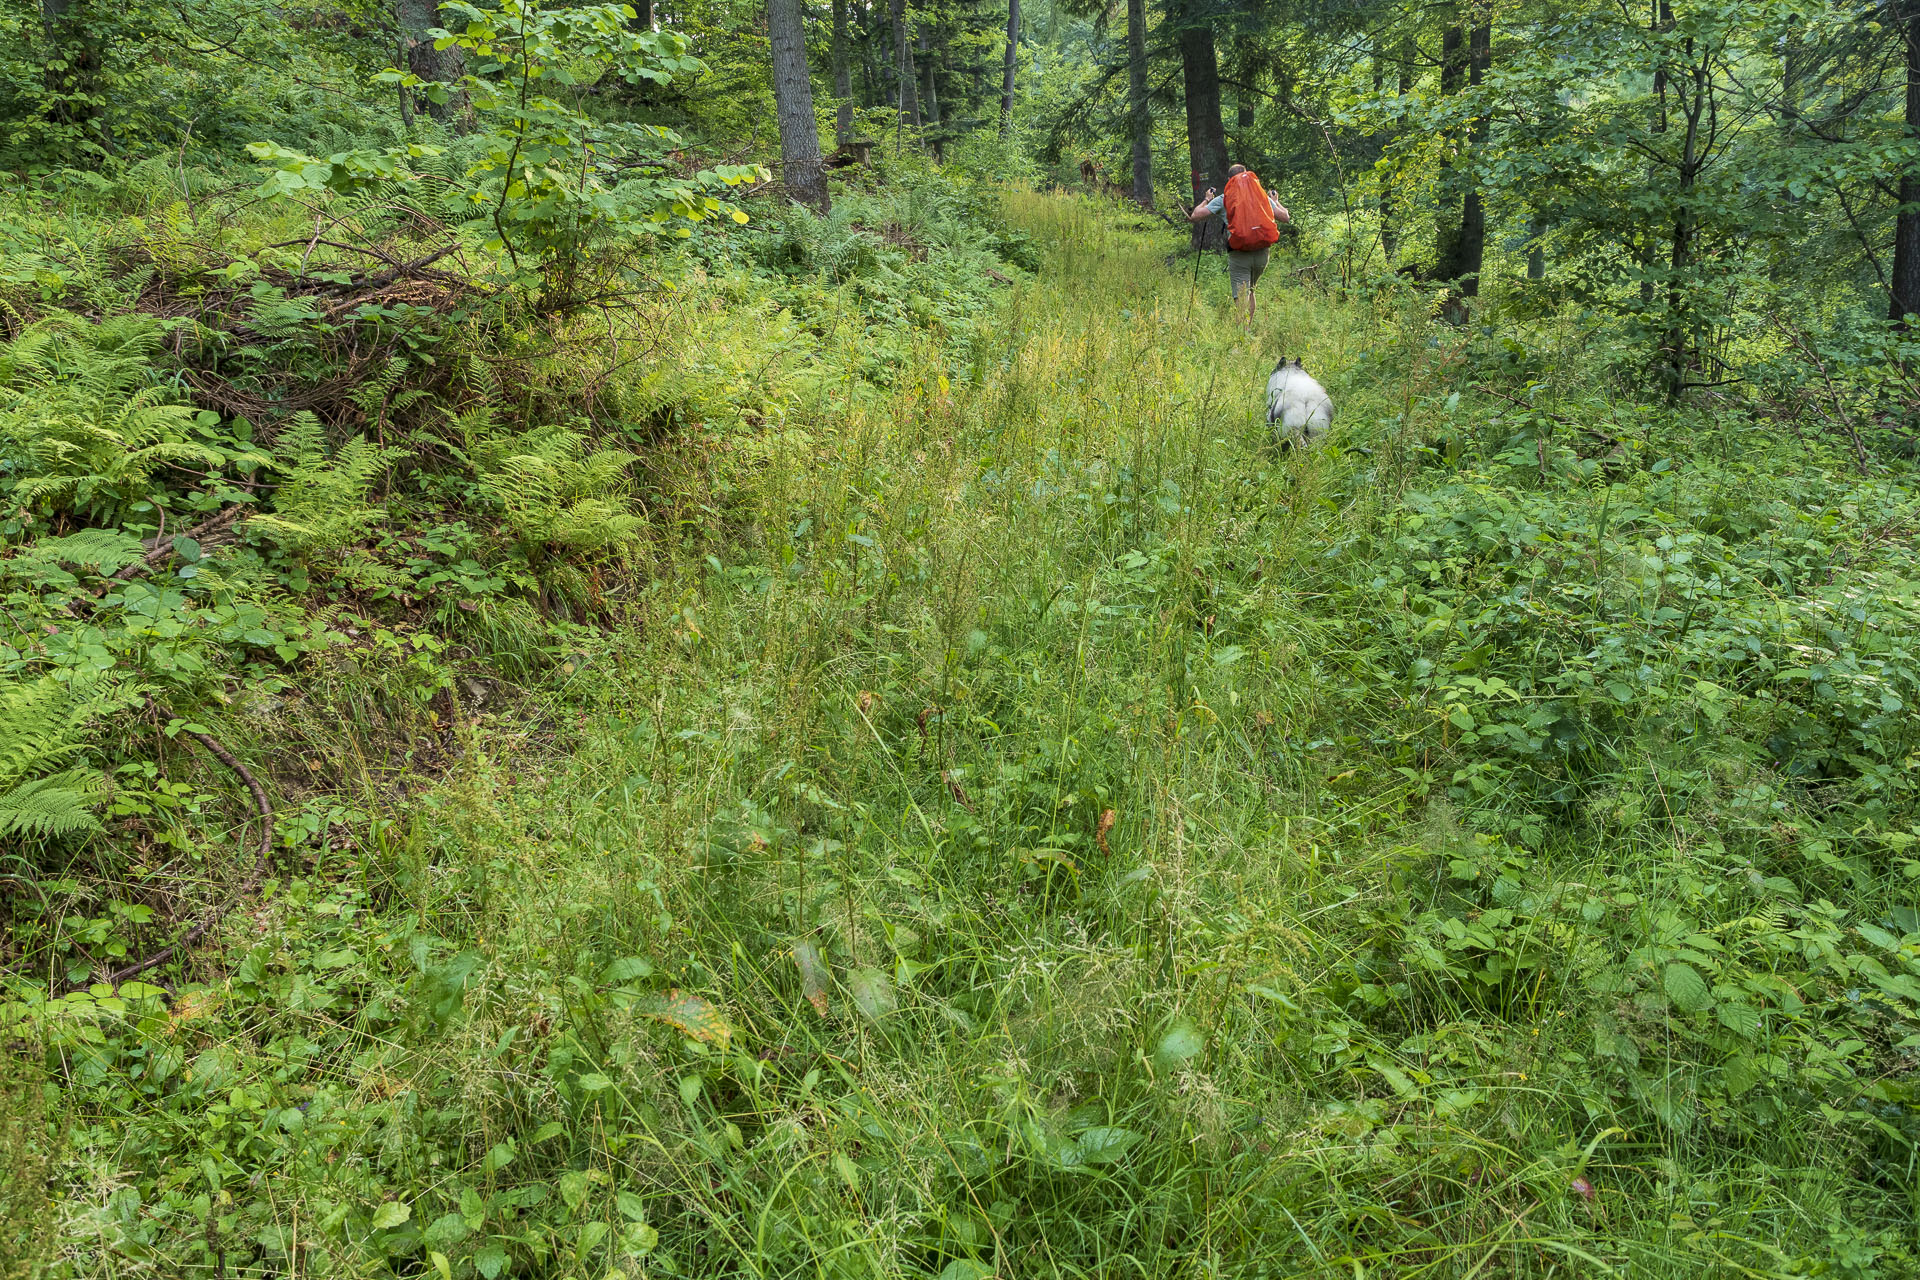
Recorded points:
(1253, 217)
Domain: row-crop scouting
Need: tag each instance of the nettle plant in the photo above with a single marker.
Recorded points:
(553, 183)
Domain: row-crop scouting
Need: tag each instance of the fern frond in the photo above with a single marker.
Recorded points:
(52, 806)
(41, 724)
(321, 507)
(101, 550)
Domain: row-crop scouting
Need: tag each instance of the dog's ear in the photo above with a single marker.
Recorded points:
(1283, 364)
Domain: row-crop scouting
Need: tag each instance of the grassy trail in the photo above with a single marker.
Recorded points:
(983, 861)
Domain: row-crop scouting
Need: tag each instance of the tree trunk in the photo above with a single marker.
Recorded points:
(1206, 137)
(1386, 183)
(903, 76)
(800, 166)
(416, 18)
(1453, 75)
(1473, 214)
(1389, 228)
(873, 65)
(929, 97)
(1013, 63)
(1463, 236)
(642, 15)
(1537, 246)
(1140, 119)
(842, 76)
(1905, 283)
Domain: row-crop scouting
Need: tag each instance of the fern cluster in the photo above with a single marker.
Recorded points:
(558, 495)
(81, 425)
(43, 792)
(321, 507)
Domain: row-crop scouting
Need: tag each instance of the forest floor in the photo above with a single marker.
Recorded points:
(1058, 834)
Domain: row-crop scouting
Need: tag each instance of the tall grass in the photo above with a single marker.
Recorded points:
(997, 852)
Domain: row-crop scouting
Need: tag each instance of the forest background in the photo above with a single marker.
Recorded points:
(665, 640)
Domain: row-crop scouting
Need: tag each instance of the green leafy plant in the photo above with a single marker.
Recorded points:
(551, 181)
(321, 507)
(83, 426)
(42, 722)
(564, 504)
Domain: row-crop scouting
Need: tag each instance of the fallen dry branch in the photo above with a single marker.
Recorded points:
(247, 886)
(160, 547)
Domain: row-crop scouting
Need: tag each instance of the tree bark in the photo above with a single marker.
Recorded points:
(1389, 228)
(1139, 118)
(800, 167)
(1905, 281)
(1206, 137)
(416, 18)
(842, 76)
(1013, 63)
(642, 15)
(903, 76)
(929, 95)
(1463, 235)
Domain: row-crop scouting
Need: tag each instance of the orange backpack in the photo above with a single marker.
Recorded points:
(1250, 222)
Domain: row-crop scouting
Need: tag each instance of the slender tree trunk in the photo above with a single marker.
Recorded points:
(929, 96)
(842, 76)
(800, 167)
(1463, 235)
(1389, 227)
(1537, 246)
(1643, 255)
(416, 18)
(642, 14)
(873, 69)
(910, 76)
(1386, 185)
(1453, 75)
(1013, 64)
(904, 78)
(1140, 119)
(1905, 283)
(1473, 214)
(1206, 138)
(1676, 343)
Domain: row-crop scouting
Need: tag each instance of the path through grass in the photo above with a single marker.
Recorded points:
(1000, 856)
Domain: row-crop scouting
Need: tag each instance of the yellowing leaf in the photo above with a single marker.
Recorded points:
(690, 1015)
(813, 975)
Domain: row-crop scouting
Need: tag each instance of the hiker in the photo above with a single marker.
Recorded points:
(1253, 219)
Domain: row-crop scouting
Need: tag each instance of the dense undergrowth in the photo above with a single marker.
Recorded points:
(854, 767)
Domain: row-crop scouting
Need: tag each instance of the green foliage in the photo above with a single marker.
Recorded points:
(43, 723)
(564, 506)
(320, 508)
(1035, 800)
(28, 1148)
(82, 425)
(550, 180)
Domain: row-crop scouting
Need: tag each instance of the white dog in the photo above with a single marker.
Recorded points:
(1298, 408)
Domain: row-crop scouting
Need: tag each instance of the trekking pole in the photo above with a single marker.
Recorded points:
(1193, 294)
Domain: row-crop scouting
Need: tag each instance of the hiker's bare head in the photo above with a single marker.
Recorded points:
(1234, 171)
